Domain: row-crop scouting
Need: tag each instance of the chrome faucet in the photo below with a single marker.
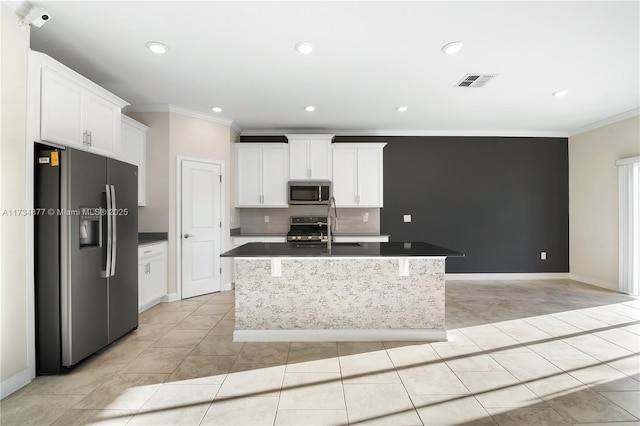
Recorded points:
(332, 204)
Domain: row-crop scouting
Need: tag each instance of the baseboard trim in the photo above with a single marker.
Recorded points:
(227, 286)
(430, 335)
(173, 297)
(594, 281)
(14, 383)
(510, 276)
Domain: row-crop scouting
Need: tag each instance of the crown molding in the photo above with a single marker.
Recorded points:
(605, 122)
(478, 133)
(492, 133)
(183, 111)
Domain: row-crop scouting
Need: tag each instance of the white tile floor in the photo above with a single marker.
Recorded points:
(546, 352)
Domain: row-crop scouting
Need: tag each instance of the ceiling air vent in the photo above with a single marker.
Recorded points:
(475, 80)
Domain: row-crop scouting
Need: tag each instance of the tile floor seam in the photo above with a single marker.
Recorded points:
(614, 343)
(604, 340)
(621, 407)
(404, 386)
(275, 417)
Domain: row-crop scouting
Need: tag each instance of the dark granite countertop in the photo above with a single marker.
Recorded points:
(152, 237)
(394, 249)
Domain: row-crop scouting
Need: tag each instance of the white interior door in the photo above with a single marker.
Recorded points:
(201, 231)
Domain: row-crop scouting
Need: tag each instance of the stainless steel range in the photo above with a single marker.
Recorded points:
(307, 229)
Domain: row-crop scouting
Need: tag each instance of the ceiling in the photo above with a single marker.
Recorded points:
(368, 59)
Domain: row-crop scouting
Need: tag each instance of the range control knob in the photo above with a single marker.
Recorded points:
(309, 237)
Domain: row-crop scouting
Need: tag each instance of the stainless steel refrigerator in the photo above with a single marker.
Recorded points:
(86, 239)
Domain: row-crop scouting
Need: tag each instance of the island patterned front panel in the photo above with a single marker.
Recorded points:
(321, 294)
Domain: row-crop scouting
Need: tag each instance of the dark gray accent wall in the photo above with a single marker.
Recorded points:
(499, 200)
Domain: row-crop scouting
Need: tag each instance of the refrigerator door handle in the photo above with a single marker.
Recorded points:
(106, 273)
(114, 234)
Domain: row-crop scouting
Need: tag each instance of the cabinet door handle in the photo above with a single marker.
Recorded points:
(86, 138)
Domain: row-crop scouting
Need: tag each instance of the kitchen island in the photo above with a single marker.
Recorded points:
(354, 292)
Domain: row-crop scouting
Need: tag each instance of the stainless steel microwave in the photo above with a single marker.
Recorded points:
(309, 192)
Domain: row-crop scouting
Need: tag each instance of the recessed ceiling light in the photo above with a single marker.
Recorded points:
(560, 93)
(452, 48)
(402, 108)
(216, 109)
(157, 48)
(310, 108)
(304, 47)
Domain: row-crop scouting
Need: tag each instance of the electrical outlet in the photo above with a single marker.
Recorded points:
(266, 219)
(543, 255)
(365, 217)
(407, 218)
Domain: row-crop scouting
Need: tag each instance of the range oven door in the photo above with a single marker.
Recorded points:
(303, 192)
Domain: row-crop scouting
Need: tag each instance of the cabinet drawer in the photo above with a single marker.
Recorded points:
(151, 250)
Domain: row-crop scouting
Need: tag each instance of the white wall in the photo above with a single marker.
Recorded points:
(14, 45)
(593, 200)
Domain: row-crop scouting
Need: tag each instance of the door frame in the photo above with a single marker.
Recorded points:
(223, 217)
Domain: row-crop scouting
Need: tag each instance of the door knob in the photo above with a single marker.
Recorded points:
(187, 235)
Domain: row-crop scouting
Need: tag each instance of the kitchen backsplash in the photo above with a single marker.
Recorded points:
(350, 221)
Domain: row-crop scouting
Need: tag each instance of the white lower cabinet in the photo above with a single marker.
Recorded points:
(152, 274)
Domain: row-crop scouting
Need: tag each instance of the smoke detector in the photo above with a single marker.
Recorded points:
(475, 80)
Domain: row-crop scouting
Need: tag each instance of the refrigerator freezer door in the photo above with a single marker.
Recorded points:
(123, 284)
(84, 318)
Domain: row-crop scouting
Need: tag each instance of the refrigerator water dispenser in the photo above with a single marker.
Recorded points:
(90, 228)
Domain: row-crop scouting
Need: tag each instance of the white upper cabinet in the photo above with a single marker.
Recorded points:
(102, 123)
(310, 157)
(74, 111)
(61, 110)
(358, 174)
(133, 150)
(261, 175)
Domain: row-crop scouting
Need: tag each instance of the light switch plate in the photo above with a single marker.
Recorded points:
(407, 218)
